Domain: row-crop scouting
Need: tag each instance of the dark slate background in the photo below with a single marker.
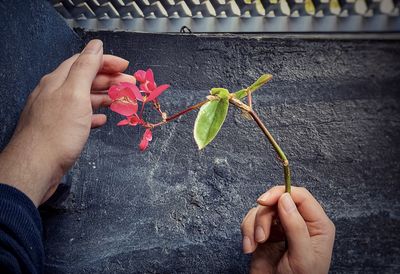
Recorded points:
(333, 105)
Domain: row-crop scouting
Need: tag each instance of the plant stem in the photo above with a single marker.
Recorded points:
(250, 100)
(176, 115)
(277, 148)
(282, 156)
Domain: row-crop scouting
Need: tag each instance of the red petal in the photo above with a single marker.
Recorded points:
(140, 75)
(127, 85)
(134, 120)
(124, 108)
(123, 122)
(155, 93)
(151, 85)
(150, 76)
(143, 87)
(144, 143)
(134, 90)
(148, 135)
(113, 92)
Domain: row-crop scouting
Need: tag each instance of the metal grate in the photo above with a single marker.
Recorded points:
(233, 16)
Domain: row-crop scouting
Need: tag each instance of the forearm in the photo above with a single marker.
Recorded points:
(26, 166)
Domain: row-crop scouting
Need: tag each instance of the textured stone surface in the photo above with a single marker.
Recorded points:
(334, 107)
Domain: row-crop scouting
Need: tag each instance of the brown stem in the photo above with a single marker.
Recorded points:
(277, 148)
(176, 115)
(250, 99)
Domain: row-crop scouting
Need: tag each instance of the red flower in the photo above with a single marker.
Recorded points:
(148, 86)
(123, 98)
(147, 137)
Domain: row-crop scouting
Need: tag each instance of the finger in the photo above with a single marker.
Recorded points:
(85, 68)
(54, 79)
(105, 91)
(104, 81)
(263, 220)
(98, 120)
(57, 77)
(307, 205)
(295, 228)
(247, 228)
(110, 64)
(113, 64)
(272, 196)
(100, 100)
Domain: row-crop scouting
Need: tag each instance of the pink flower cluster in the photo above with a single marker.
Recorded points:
(126, 97)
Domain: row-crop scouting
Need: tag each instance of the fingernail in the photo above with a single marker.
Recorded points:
(247, 247)
(93, 47)
(264, 197)
(260, 235)
(287, 202)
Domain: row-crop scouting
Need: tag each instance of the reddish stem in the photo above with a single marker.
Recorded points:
(176, 115)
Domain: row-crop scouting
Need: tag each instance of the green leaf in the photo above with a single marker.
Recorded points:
(256, 85)
(209, 121)
(260, 82)
(240, 94)
(220, 92)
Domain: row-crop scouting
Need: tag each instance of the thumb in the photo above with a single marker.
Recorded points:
(299, 241)
(85, 68)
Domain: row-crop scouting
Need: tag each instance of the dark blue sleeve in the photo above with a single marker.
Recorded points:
(21, 247)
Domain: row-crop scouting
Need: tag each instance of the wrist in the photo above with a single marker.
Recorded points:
(28, 167)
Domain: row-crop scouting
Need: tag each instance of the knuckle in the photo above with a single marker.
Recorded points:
(298, 225)
(32, 95)
(275, 188)
(81, 64)
(331, 227)
(244, 227)
(45, 80)
(261, 214)
(246, 223)
(326, 227)
(71, 94)
(304, 190)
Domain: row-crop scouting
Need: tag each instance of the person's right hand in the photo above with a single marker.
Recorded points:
(302, 222)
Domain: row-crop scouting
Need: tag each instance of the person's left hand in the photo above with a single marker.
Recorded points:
(56, 121)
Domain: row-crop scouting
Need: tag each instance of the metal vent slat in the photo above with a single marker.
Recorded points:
(233, 16)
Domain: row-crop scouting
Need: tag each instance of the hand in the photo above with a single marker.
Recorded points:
(302, 222)
(56, 121)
